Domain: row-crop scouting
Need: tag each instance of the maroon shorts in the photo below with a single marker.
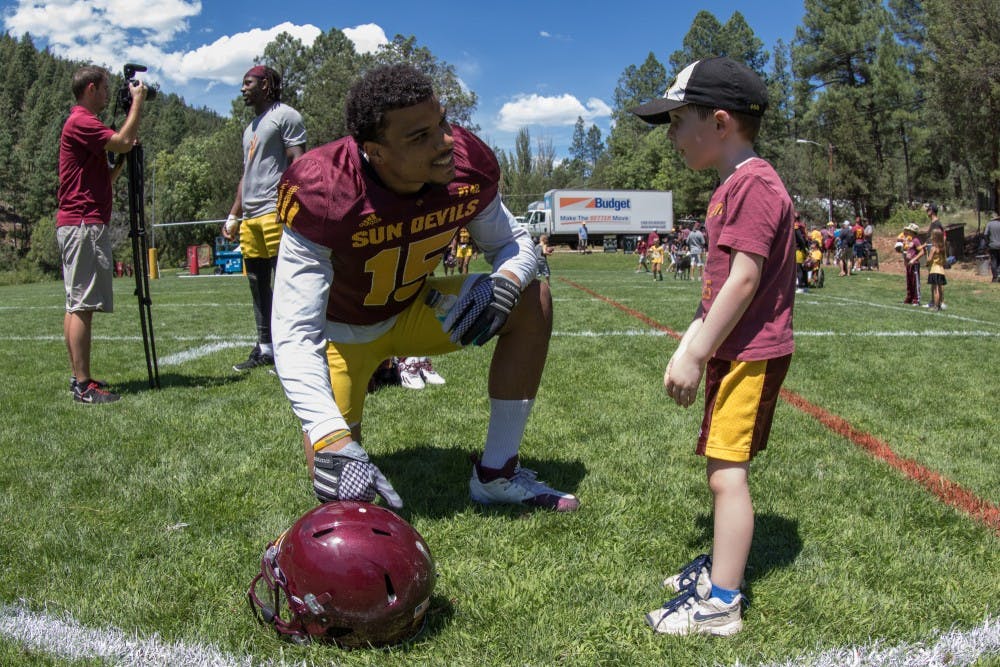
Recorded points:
(740, 397)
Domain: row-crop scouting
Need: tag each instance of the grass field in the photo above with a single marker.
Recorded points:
(139, 525)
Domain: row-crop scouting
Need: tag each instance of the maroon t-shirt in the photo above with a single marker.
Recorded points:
(84, 176)
(383, 245)
(751, 212)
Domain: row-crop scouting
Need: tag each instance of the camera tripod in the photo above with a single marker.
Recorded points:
(140, 259)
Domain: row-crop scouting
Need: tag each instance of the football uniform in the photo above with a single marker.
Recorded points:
(354, 265)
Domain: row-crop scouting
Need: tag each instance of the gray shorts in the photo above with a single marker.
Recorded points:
(87, 267)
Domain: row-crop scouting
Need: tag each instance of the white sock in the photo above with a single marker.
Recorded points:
(503, 437)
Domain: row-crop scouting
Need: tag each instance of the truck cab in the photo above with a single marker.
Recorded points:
(536, 219)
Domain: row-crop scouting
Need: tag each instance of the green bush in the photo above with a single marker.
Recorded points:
(44, 253)
(903, 215)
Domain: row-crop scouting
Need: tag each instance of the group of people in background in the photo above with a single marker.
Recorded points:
(685, 249)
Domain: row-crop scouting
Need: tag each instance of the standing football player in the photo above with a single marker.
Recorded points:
(272, 140)
(367, 219)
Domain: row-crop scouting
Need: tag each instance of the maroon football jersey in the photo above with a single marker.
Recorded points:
(383, 245)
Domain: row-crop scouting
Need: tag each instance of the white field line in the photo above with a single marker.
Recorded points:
(58, 338)
(898, 306)
(196, 353)
(950, 649)
(156, 305)
(217, 342)
(65, 637)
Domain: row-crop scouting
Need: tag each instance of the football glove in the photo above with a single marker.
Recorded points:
(481, 312)
(348, 474)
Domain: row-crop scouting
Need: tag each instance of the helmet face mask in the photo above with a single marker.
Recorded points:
(346, 572)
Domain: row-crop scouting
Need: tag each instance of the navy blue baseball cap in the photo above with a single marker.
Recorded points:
(718, 83)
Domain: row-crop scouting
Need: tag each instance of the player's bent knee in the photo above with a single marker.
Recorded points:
(533, 312)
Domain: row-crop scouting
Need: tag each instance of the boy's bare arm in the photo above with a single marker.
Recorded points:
(700, 342)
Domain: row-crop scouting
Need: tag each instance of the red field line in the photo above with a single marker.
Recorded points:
(949, 492)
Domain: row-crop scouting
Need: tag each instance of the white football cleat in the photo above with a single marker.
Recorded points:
(409, 373)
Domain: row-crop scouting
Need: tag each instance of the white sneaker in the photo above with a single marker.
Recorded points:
(688, 614)
(428, 373)
(409, 373)
(519, 486)
(696, 577)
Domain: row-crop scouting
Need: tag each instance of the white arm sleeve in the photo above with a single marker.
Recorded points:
(505, 244)
(298, 320)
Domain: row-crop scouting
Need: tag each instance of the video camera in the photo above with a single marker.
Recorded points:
(124, 94)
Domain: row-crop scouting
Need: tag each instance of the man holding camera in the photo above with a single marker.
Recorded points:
(85, 197)
(271, 142)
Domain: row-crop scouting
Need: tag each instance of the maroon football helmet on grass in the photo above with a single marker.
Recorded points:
(347, 572)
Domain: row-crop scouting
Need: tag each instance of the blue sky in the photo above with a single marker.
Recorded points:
(538, 64)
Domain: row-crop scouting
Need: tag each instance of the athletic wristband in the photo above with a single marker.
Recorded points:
(331, 438)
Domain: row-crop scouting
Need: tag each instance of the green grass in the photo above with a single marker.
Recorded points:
(150, 515)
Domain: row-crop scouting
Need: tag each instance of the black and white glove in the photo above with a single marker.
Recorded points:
(348, 474)
(481, 312)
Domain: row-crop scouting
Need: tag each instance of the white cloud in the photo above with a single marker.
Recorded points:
(544, 33)
(228, 58)
(548, 111)
(113, 32)
(367, 37)
(70, 24)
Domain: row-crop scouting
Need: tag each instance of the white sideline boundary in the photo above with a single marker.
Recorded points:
(952, 648)
(64, 637)
(179, 358)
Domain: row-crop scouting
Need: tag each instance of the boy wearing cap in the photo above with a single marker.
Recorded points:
(741, 335)
(272, 140)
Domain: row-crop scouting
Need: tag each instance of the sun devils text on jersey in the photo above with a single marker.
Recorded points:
(383, 245)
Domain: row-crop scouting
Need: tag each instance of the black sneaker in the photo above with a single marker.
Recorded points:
(72, 383)
(256, 359)
(92, 392)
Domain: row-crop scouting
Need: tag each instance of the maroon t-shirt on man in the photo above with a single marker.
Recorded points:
(84, 177)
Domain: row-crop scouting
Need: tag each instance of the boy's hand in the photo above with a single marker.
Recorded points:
(682, 378)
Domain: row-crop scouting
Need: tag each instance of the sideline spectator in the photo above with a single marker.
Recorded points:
(869, 245)
(845, 248)
(273, 140)
(82, 230)
(696, 245)
(829, 243)
(992, 234)
(858, 230)
(464, 249)
(935, 269)
(581, 238)
(542, 252)
(801, 250)
(913, 250)
(640, 249)
(655, 252)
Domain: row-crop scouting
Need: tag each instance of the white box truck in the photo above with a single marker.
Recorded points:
(614, 218)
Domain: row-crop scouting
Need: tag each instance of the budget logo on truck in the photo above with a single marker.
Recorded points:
(606, 203)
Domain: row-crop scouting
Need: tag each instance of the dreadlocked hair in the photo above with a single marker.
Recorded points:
(273, 83)
(379, 90)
